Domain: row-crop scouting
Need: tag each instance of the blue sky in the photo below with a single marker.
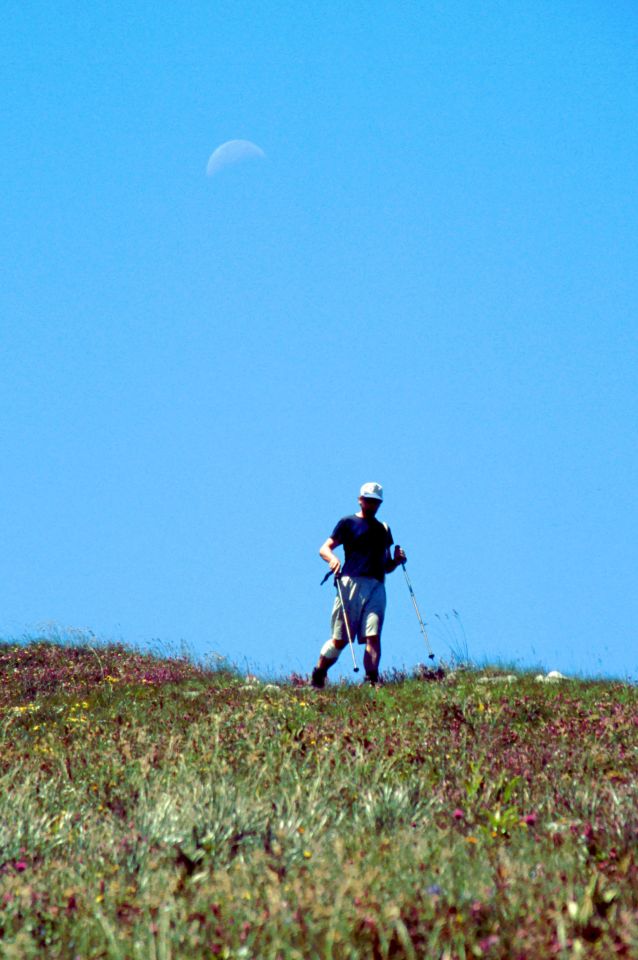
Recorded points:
(429, 282)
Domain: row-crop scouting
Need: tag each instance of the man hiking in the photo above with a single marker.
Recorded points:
(366, 543)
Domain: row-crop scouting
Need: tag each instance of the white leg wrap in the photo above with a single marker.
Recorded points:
(330, 651)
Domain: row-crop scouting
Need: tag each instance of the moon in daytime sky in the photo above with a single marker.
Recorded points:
(233, 151)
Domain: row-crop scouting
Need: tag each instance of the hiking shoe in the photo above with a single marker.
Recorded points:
(372, 679)
(318, 680)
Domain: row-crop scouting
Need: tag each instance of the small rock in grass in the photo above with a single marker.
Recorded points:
(554, 676)
(505, 678)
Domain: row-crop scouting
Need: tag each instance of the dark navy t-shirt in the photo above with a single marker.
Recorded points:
(365, 542)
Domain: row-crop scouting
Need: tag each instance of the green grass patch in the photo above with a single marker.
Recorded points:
(150, 808)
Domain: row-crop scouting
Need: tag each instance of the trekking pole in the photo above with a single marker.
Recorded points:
(345, 620)
(419, 618)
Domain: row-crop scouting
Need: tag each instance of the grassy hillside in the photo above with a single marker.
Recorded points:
(149, 809)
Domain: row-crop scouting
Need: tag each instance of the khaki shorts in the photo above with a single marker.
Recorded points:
(364, 598)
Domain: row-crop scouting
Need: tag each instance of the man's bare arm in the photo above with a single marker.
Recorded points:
(325, 552)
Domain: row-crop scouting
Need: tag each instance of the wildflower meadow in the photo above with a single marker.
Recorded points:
(151, 808)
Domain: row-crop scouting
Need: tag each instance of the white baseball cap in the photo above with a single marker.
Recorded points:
(371, 491)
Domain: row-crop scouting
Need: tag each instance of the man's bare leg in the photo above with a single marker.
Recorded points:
(324, 663)
(329, 655)
(371, 658)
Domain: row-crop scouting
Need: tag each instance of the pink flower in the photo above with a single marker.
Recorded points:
(458, 814)
(530, 819)
(20, 866)
(488, 942)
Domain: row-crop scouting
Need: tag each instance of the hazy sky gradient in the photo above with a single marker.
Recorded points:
(430, 282)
